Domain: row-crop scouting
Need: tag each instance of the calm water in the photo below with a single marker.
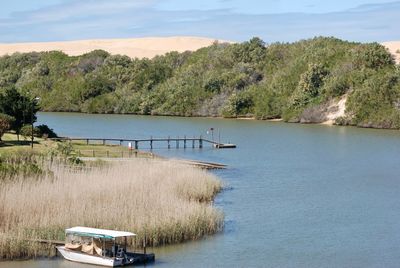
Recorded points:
(297, 195)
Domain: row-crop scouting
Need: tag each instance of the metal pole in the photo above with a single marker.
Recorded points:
(32, 124)
(144, 245)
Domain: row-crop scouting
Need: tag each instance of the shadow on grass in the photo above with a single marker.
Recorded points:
(16, 143)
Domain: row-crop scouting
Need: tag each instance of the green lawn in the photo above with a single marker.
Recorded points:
(10, 143)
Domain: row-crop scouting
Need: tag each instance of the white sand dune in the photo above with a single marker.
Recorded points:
(133, 47)
(394, 48)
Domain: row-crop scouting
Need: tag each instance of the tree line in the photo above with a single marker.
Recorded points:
(292, 81)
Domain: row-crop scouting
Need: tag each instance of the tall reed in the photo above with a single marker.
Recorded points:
(167, 201)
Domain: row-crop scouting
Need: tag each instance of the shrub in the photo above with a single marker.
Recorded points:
(6, 122)
(45, 131)
(238, 104)
(373, 56)
(26, 132)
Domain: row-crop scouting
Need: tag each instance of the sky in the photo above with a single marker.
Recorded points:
(234, 20)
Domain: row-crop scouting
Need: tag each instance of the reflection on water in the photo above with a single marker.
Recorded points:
(297, 196)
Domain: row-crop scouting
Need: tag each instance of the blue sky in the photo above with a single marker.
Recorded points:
(237, 20)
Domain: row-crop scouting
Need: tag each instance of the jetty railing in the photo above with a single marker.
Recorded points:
(186, 142)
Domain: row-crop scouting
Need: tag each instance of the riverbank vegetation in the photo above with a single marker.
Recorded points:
(164, 201)
(292, 81)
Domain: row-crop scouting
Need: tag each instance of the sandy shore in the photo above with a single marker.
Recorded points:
(394, 47)
(133, 47)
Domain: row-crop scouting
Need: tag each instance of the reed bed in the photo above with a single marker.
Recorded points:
(164, 201)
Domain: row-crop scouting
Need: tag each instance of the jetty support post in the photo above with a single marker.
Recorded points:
(87, 141)
(168, 141)
(177, 142)
(151, 142)
(200, 142)
(184, 142)
(104, 142)
(136, 145)
(193, 142)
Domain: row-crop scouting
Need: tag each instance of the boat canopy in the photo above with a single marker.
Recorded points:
(98, 233)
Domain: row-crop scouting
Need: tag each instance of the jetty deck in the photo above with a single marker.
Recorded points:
(179, 142)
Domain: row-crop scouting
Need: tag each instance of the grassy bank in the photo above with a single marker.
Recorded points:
(10, 145)
(169, 202)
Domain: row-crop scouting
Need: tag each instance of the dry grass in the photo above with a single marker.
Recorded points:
(169, 202)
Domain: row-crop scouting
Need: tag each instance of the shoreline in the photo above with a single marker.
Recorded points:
(276, 120)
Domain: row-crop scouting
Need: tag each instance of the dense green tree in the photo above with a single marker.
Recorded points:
(22, 108)
(6, 122)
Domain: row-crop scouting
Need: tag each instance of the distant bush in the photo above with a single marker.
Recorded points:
(45, 131)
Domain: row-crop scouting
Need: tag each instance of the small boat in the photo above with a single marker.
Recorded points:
(100, 247)
(224, 145)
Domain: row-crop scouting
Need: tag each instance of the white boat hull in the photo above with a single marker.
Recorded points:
(86, 258)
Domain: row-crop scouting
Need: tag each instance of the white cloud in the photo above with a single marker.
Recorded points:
(75, 8)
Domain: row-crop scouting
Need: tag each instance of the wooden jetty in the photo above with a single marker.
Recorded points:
(201, 164)
(184, 142)
(46, 241)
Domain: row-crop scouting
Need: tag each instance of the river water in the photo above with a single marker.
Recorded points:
(296, 195)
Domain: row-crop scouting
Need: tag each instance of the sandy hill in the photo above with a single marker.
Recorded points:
(394, 48)
(133, 47)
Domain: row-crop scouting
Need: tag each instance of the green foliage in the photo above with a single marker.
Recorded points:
(65, 148)
(309, 85)
(279, 80)
(373, 56)
(6, 122)
(26, 132)
(20, 163)
(20, 107)
(239, 104)
(376, 103)
(45, 131)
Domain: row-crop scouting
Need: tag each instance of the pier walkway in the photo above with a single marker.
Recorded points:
(184, 142)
